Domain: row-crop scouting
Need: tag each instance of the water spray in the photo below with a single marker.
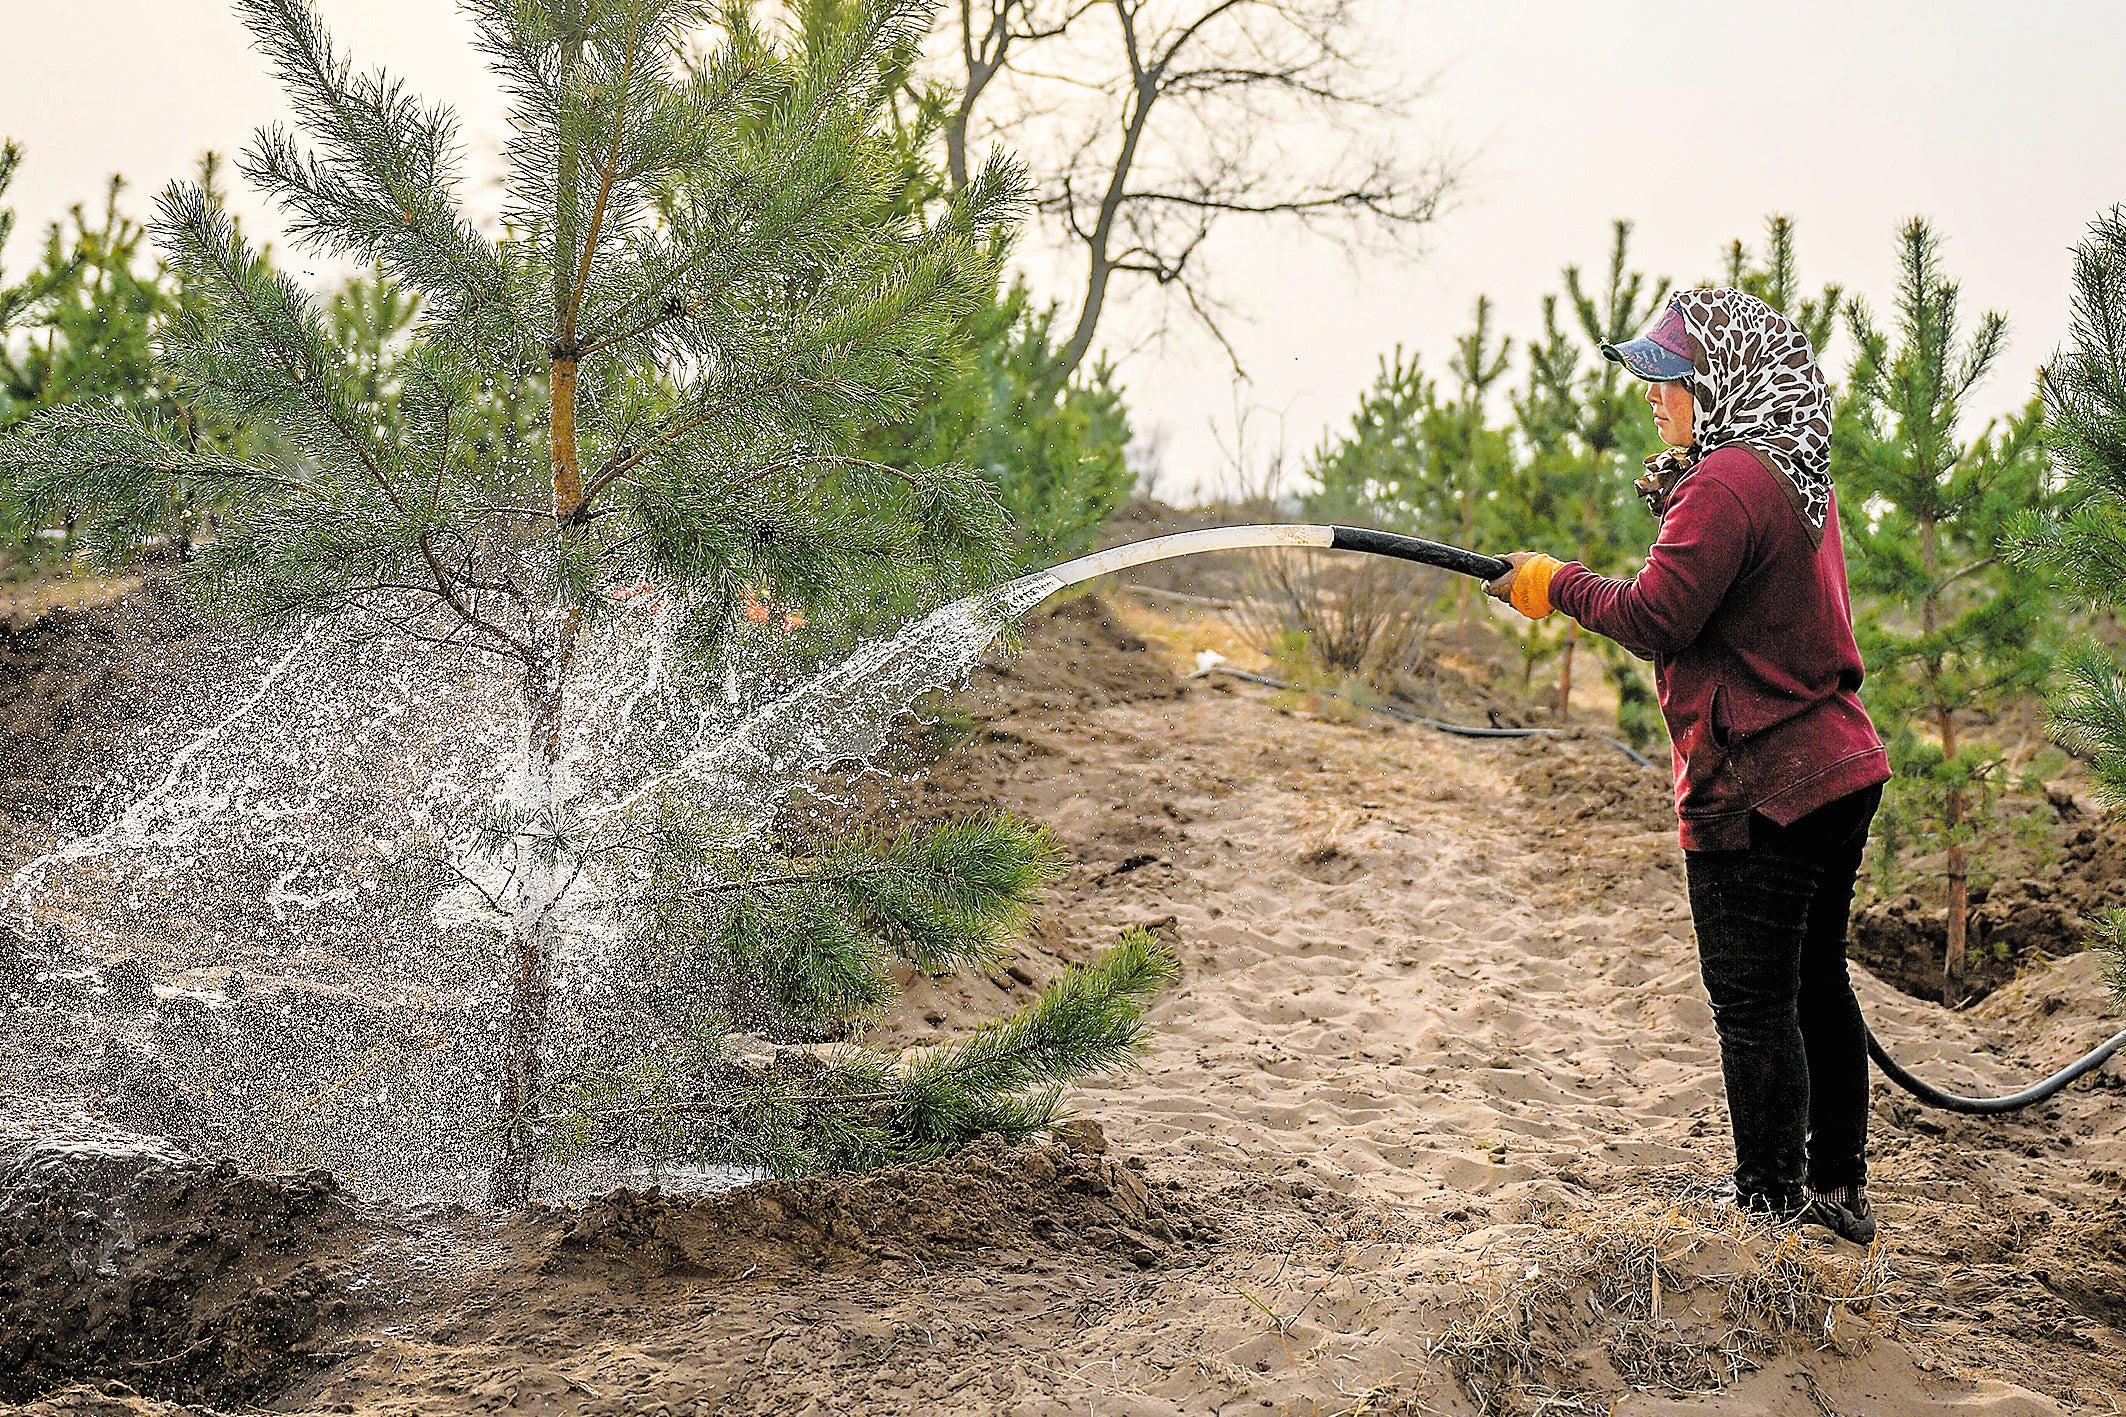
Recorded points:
(1490, 568)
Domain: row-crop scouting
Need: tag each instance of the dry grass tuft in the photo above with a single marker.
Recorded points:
(1678, 1297)
(1352, 616)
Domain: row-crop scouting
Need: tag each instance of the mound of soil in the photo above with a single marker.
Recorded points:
(122, 1258)
(1072, 659)
(1064, 1195)
(2014, 923)
(1905, 941)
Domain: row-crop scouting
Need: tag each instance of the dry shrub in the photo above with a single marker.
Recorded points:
(1353, 616)
(1679, 1298)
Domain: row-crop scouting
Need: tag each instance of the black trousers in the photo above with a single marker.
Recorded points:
(1771, 925)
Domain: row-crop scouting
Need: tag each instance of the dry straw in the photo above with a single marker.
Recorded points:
(1679, 1297)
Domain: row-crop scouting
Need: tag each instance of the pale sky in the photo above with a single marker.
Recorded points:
(2000, 119)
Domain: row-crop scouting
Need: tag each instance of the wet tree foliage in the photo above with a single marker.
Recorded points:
(708, 288)
(2080, 543)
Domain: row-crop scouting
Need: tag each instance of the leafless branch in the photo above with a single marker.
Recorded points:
(1167, 119)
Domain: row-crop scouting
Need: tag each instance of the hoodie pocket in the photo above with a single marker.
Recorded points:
(1711, 784)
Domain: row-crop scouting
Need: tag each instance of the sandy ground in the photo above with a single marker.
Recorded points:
(1420, 1132)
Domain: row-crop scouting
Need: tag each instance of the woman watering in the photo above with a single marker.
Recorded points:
(1743, 608)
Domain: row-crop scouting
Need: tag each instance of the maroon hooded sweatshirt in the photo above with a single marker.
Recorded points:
(1749, 624)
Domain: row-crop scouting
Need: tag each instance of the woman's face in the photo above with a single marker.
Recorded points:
(1672, 406)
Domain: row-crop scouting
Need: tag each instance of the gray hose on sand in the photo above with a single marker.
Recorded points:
(1993, 1106)
(1459, 730)
(1489, 568)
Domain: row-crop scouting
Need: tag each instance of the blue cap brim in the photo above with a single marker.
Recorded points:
(1649, 361)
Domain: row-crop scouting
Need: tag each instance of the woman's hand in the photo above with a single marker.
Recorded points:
(1527, 586)
(1502, 588)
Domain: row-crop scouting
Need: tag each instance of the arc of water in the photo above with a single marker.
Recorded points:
(784, 739)
(779, 742)
(839, 715)
(1322, 537)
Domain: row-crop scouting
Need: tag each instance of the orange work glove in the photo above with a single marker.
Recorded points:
(1530, 591)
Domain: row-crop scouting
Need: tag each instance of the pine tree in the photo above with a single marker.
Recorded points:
(1956, 630)
(95, 339)
(1051, 442)
(1377, 473)
(22, 298)
(1474, 452)
(1776, 282)
(1603, 435)
(22, 303)
(110, 302)
(709, 284)
(1532, 500)
(1415, 462)
(2081, 542)
(370, 318)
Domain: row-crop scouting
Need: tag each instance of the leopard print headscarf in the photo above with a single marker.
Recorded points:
(1757, 383)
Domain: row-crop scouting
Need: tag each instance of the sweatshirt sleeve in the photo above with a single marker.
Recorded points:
(1704, 538)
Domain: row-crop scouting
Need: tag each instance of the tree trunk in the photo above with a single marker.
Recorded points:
(1955, 867)
(1100, 267)
(533, 925)
(1952, 814)
(1572, 640)
(983, 63)
(956, 146)
(531, 956)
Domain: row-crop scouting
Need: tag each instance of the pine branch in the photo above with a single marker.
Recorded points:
(1088, 1019)
(106, 458)
(283, 320)
(383, 188)
(858, 1108)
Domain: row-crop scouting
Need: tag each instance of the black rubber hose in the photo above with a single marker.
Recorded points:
(1992, 1106)
(1459, 730)
(1416, 548)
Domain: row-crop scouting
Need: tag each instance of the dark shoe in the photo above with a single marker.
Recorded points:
(1845, 1213)
(1774, 1210)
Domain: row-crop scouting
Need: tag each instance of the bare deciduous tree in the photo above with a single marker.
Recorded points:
(1161, 118)
(989, 34)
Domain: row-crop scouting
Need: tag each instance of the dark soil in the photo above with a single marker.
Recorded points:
(2014, 923)
(128, 1264)
(1066, 1195)
(1071, 655)
(72, 681)
(1074, 657)
(122, 1258)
